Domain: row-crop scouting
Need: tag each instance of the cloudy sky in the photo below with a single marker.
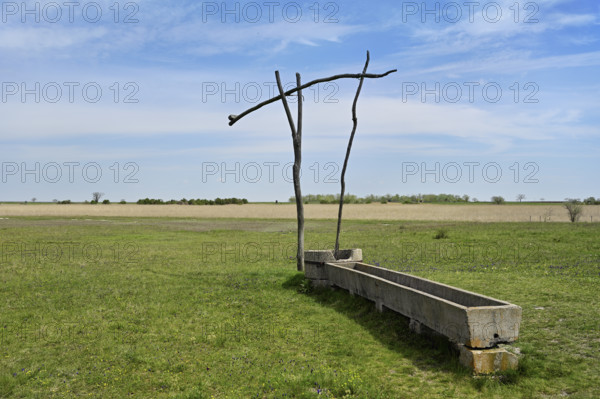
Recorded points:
(131, 98)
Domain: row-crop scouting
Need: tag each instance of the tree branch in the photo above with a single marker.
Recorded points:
(234, 118)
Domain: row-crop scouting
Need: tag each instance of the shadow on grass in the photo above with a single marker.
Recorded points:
(426, 352)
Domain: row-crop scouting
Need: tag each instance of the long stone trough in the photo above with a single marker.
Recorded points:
(476, 323)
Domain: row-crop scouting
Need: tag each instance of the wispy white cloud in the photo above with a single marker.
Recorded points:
(46, 39)
(507, 45)
(209, 39)
(510, 63)
(180, 29)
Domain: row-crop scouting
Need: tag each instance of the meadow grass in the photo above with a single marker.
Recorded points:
(202, 308)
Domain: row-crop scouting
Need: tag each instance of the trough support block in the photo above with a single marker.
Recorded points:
(485, 361)
(415, 326)
(320, 283)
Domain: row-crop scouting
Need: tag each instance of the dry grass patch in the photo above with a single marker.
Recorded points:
(390, 211)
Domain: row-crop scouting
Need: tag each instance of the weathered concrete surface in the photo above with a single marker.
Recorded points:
(325, 256)
(485, 361)
(314, 263)
(467, 318)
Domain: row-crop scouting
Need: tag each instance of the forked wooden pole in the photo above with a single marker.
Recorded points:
(297, 141)
(343, 176)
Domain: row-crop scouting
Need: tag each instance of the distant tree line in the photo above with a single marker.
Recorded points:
(183, 201)
(404, 199)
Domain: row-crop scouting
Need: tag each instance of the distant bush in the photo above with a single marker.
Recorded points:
(123, 202)
(64, 202)
(403, 199)
(591, 201)
(575, 209)
(106, 202)
(498, 200)
(148, 201)
(441, 233)
(184, 201)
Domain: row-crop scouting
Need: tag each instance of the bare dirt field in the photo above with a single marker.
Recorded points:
(391, 211)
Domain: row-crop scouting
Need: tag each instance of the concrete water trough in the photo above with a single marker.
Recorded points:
(472, 321)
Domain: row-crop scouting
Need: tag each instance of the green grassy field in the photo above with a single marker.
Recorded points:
(202, 308)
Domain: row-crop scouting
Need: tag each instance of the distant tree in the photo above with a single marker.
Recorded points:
(520, 197)
(55, 200)
(123, 202)
(574, 207)
(591, 201)
(465, 198)
(96, 197)
(498, 200)
(33, 199)
(106, 202)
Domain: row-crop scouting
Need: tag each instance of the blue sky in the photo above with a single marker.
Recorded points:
(131, 98)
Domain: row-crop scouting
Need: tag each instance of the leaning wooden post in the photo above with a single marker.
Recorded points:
(297, 142)
(342, 179)
(296, 172)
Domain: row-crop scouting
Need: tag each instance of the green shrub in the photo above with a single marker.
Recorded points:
(498, 200)
(575, 209)
(441, 233)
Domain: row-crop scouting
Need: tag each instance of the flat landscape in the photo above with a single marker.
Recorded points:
(390, 211)
(187, 307)
(153, 153)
